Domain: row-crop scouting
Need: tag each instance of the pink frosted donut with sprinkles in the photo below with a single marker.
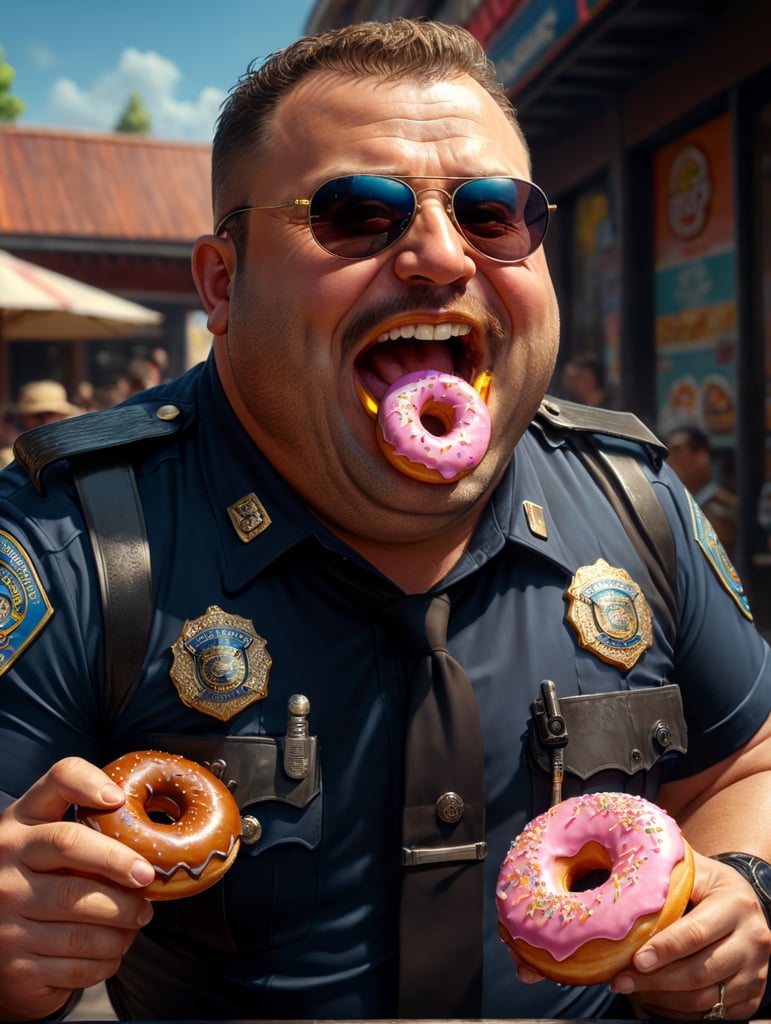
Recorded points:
(585, 884)
(433, 426)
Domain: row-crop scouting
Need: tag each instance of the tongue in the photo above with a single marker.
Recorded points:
(392, 361)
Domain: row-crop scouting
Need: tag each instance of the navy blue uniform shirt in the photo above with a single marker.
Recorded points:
(305, 924)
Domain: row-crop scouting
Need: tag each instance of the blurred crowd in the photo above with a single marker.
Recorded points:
(44, 401)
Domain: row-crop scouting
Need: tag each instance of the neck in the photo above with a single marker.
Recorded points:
(414, 566)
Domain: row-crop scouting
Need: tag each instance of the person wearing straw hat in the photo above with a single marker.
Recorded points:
(43, 401)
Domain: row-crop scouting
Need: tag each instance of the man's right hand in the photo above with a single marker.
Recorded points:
(70, 898)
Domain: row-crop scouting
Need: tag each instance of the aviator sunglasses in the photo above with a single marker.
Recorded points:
(361, 215)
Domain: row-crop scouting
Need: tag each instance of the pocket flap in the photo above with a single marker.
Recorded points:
(627, 730)
(251, 766)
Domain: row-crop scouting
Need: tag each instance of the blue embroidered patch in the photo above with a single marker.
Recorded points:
(24, 605)
(708, 541)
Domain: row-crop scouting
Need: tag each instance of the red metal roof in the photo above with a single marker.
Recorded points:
(119, 186)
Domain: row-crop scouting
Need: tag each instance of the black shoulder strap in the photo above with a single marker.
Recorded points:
(98, 447)
(624, 483)
(112, 509)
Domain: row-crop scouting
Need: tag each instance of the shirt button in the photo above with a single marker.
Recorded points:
(251, 829)
(450, 807)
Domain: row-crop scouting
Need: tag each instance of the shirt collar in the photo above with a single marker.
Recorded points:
(533, 484)
(235, 476)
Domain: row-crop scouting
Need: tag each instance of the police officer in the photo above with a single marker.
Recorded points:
(373, 218)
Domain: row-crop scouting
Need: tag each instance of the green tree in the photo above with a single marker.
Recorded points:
(135, 118)
(10, 106)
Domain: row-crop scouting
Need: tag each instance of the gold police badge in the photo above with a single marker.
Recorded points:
(221, 664)
(609, 613)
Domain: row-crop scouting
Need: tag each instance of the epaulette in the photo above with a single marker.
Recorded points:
(558, 415)
(99, 434)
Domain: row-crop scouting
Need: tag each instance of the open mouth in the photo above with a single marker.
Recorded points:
(443, 347)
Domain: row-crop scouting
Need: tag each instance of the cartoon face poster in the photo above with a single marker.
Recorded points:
(695, 287)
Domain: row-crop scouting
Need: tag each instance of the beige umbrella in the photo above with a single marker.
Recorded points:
(40, 305)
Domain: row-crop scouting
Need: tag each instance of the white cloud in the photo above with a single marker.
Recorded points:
(98, 107)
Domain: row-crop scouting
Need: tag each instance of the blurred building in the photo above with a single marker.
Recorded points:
(119, 212)
(649, 123)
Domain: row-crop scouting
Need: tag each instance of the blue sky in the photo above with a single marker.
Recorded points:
(78, 61)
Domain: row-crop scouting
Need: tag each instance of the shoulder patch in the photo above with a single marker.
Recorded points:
(24, 605)
(705, 536)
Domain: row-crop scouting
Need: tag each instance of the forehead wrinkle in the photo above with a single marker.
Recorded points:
(385, 124)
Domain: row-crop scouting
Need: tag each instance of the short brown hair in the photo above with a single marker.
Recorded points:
(424, 51)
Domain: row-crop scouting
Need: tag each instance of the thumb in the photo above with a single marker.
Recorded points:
(69, 781)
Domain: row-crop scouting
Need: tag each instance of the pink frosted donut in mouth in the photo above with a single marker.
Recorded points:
(419, 404)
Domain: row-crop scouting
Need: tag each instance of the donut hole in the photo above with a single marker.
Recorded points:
(437, 418)
(163, 810)
(589, 869)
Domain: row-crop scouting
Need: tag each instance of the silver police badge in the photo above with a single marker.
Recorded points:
(221, 664)
(609, 613)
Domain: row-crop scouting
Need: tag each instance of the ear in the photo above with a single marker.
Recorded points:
(214, 267)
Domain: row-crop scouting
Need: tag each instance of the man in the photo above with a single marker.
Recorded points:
(40, 401)
(691, 458)
(43, 401)
(583, 380)
(373, 219)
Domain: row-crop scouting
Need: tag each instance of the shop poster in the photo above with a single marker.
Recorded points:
(695, 283)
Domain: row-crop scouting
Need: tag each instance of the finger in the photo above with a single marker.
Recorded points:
(82, 901)
(67, 846)
(695, 1005)
(47, 982)
(704, 926)
(69, 781)
(528, 976)
(60, 940)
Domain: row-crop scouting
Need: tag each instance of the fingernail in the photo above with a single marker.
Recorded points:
(145, 915)
(142, 872)
(112, 794)
(622, 985)
(646, 960)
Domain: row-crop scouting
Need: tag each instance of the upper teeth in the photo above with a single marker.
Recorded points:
(426, 332)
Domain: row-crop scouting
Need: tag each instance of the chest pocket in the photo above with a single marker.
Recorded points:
(269, 896)
(614, 742)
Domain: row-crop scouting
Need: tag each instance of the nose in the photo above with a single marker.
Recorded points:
(432, 249)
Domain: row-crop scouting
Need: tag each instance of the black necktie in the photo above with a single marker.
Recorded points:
(443, 826)
(443, 818)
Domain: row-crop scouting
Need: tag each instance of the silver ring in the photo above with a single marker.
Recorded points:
(718, 1010)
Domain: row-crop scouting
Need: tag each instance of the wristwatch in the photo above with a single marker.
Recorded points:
(758, 874)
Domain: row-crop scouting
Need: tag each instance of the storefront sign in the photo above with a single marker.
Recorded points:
(534, 35)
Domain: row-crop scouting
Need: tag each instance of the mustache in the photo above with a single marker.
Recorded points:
(420, 299)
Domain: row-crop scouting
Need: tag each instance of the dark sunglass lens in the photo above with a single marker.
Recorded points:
(361, 215)
(504, 218)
